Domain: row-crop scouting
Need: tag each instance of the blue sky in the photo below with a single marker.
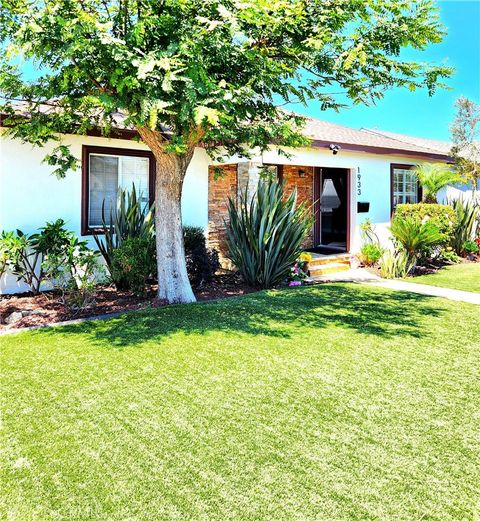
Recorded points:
(416, 113)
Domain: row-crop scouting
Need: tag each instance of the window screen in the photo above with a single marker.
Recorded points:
(108, 173)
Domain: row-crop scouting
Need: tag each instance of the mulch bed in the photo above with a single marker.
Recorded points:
(46, 309)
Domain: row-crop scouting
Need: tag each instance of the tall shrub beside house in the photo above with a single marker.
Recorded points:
(128, 228)
(442, 216)
(467, 224)
(266, 233)
(191, 72)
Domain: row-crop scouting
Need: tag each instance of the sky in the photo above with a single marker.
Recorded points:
(416, 113)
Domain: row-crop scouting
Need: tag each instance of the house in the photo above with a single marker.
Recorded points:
(347, 174)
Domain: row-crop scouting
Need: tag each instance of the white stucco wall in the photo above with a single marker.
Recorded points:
(374, 171)
(30, 195)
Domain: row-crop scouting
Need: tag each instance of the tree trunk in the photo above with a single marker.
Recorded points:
(173, 283)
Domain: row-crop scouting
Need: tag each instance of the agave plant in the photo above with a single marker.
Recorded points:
(433, 177)
(396, 264)
(467, 224)
(266, 232)
(130, 219)
(415, 237)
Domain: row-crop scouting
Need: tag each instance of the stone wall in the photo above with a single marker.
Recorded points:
(226, 185)
(302, 178)
(219, 190)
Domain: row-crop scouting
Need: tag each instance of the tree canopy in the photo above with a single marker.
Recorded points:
(213, 71)
(465, 131)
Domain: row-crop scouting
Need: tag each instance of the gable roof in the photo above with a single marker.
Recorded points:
(433, 144)
(324, 133)
(321, 132)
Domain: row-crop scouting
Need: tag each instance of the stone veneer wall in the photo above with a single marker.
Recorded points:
(291, 176)
(219, 190)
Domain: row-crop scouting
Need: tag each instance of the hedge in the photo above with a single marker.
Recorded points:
(443, 216)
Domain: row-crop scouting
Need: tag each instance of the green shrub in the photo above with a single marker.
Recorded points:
(130, 219)
(448, 255)
(415, 237)
(466, 227)
(134, 262)
(370, 254)
(24, 254)
(441, 215)
(74, 272)
(470, 247)
(202, 263)
(396, 264)
(265, 235)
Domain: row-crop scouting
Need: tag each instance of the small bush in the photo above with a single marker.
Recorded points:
(441, 215)
(448, 255)
(397, 264)
(133, 262)
(131, 218)
(370, 254)
(74, 271)
(417, 238)
(470, 247)
(202, 263)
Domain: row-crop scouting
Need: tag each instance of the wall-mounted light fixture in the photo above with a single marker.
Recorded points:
(301, 172)
(335, 148)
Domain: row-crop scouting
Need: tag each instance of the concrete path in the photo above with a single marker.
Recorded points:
(363, 276)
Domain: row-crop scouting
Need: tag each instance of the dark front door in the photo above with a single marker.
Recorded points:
(331, 210)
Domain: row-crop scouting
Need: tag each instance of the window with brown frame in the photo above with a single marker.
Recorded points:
(105, 170)
(405, 188)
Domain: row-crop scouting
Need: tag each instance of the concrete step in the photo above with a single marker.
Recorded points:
(332, 267)
(321, 260)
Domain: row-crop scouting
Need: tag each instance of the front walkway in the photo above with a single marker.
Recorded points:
(365, 277)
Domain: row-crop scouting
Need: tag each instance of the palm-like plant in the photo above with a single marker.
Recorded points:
(433, 177)
(265, 234)
(415, 237)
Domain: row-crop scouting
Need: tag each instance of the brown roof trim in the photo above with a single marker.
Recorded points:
(130, 134)
(382, 150)
(115, 133)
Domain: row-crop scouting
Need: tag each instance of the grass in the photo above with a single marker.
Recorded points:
(331, 402)
(459, 276)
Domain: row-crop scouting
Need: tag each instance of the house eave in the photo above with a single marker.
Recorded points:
(369, 149)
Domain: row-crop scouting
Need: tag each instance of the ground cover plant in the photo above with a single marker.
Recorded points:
(329, 402)
(465, 276)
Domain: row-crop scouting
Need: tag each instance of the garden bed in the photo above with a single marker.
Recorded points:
(38, 310)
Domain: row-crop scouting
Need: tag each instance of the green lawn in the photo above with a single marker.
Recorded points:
(330, 402)
(459, 276)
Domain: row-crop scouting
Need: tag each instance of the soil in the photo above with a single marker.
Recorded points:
(46, 308)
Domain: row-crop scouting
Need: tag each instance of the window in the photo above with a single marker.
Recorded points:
(105, 171)
(405, 187)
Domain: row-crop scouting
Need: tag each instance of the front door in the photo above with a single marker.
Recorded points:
(331, 210)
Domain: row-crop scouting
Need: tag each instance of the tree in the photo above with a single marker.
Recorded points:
(465, 131)
(433, 177)
(185, 72)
